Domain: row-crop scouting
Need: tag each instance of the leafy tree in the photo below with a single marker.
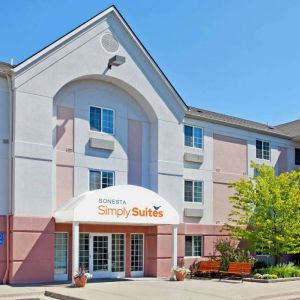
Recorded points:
(266, 211)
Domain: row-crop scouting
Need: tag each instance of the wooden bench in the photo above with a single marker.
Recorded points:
(238, 269)
(208, 267)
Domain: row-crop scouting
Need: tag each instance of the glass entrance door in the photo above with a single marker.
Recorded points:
(100, 255)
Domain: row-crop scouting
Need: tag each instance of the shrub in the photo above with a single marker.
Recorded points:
(257, 276)
(259, 265)
(281, 270)
(230, 253)
(266, 276)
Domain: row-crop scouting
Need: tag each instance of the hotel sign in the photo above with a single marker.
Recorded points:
(123, 204)
(119, 208)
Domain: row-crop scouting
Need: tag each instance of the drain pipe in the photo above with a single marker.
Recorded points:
(10, 170)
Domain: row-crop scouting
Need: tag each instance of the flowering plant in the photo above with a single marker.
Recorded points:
(82, 274)
(182, 270)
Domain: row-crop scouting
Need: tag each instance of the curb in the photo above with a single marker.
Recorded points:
(21, 295)
(60, 296)
(272, 280)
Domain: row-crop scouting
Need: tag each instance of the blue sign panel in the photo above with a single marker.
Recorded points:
(1, 238)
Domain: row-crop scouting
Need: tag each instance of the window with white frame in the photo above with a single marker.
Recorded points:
(101, 179)
(263, 150)
(193, 245)
(137, 252)
(84, 254)
(118, 253)
(193, 191)
(102, 119)
(61, 253)
(193, 136)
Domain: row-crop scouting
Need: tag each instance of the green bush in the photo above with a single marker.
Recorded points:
(281, 270)
(259, 265)
(231, 253)
(257, 276)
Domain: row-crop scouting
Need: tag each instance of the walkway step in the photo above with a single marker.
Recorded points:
(60, 296)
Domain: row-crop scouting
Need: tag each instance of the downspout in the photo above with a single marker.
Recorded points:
(10, 171)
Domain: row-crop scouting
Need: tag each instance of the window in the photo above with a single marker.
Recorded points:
(262, 150)
(137, 252)
(193, 245)
(193, 136)
(84, 255)
(297, 156)
(193, 191)
(118, 253)
(61, 253)
(101, 179)
(102, 119)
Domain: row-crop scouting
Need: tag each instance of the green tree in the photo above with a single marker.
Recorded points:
(266, 211)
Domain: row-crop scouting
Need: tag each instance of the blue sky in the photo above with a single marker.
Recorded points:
(238, 57)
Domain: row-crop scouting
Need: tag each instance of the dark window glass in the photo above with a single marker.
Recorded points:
(95, 118)
(95, 180)
(297, 156)
(198, 135)
(259, 146)
(101, 179)
(193, 245)
(188, 191)
(188, 246)
(188, 136)
(108, 121)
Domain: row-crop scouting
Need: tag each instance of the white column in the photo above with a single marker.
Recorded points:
(174, 248)
(75, 248)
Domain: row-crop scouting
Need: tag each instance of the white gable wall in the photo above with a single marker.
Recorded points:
(83, 57)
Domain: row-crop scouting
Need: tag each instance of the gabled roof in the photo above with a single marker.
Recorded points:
(222, 119)
(5, 67)
(87, 24)
(292, 129)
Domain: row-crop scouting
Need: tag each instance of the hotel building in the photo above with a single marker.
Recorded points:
(103, 165)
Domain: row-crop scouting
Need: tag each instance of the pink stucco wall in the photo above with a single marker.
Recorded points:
(221, 205)
(3, 248)
(64, 154)
(32, 249)
(158, 243)
(230, 165)
(282, 160)
(65, 128)
(64, 184)
(135, 139)
(230, 154)
(32, 246)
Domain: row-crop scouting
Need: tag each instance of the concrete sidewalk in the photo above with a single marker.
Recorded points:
(155, 289)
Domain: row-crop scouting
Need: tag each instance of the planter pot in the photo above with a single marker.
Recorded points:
(179, 276)
(80, 282)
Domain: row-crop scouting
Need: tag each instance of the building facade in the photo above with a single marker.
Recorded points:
(79, 124)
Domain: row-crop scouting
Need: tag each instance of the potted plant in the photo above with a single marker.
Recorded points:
(81, 277)
(180, 272)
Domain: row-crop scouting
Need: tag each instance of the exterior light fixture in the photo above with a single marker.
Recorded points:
(116, 61)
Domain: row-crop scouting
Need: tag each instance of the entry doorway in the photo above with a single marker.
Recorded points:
(100, 255)
(104, 254)
(107, 255)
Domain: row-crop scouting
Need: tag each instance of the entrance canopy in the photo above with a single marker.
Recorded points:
(121, 204)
